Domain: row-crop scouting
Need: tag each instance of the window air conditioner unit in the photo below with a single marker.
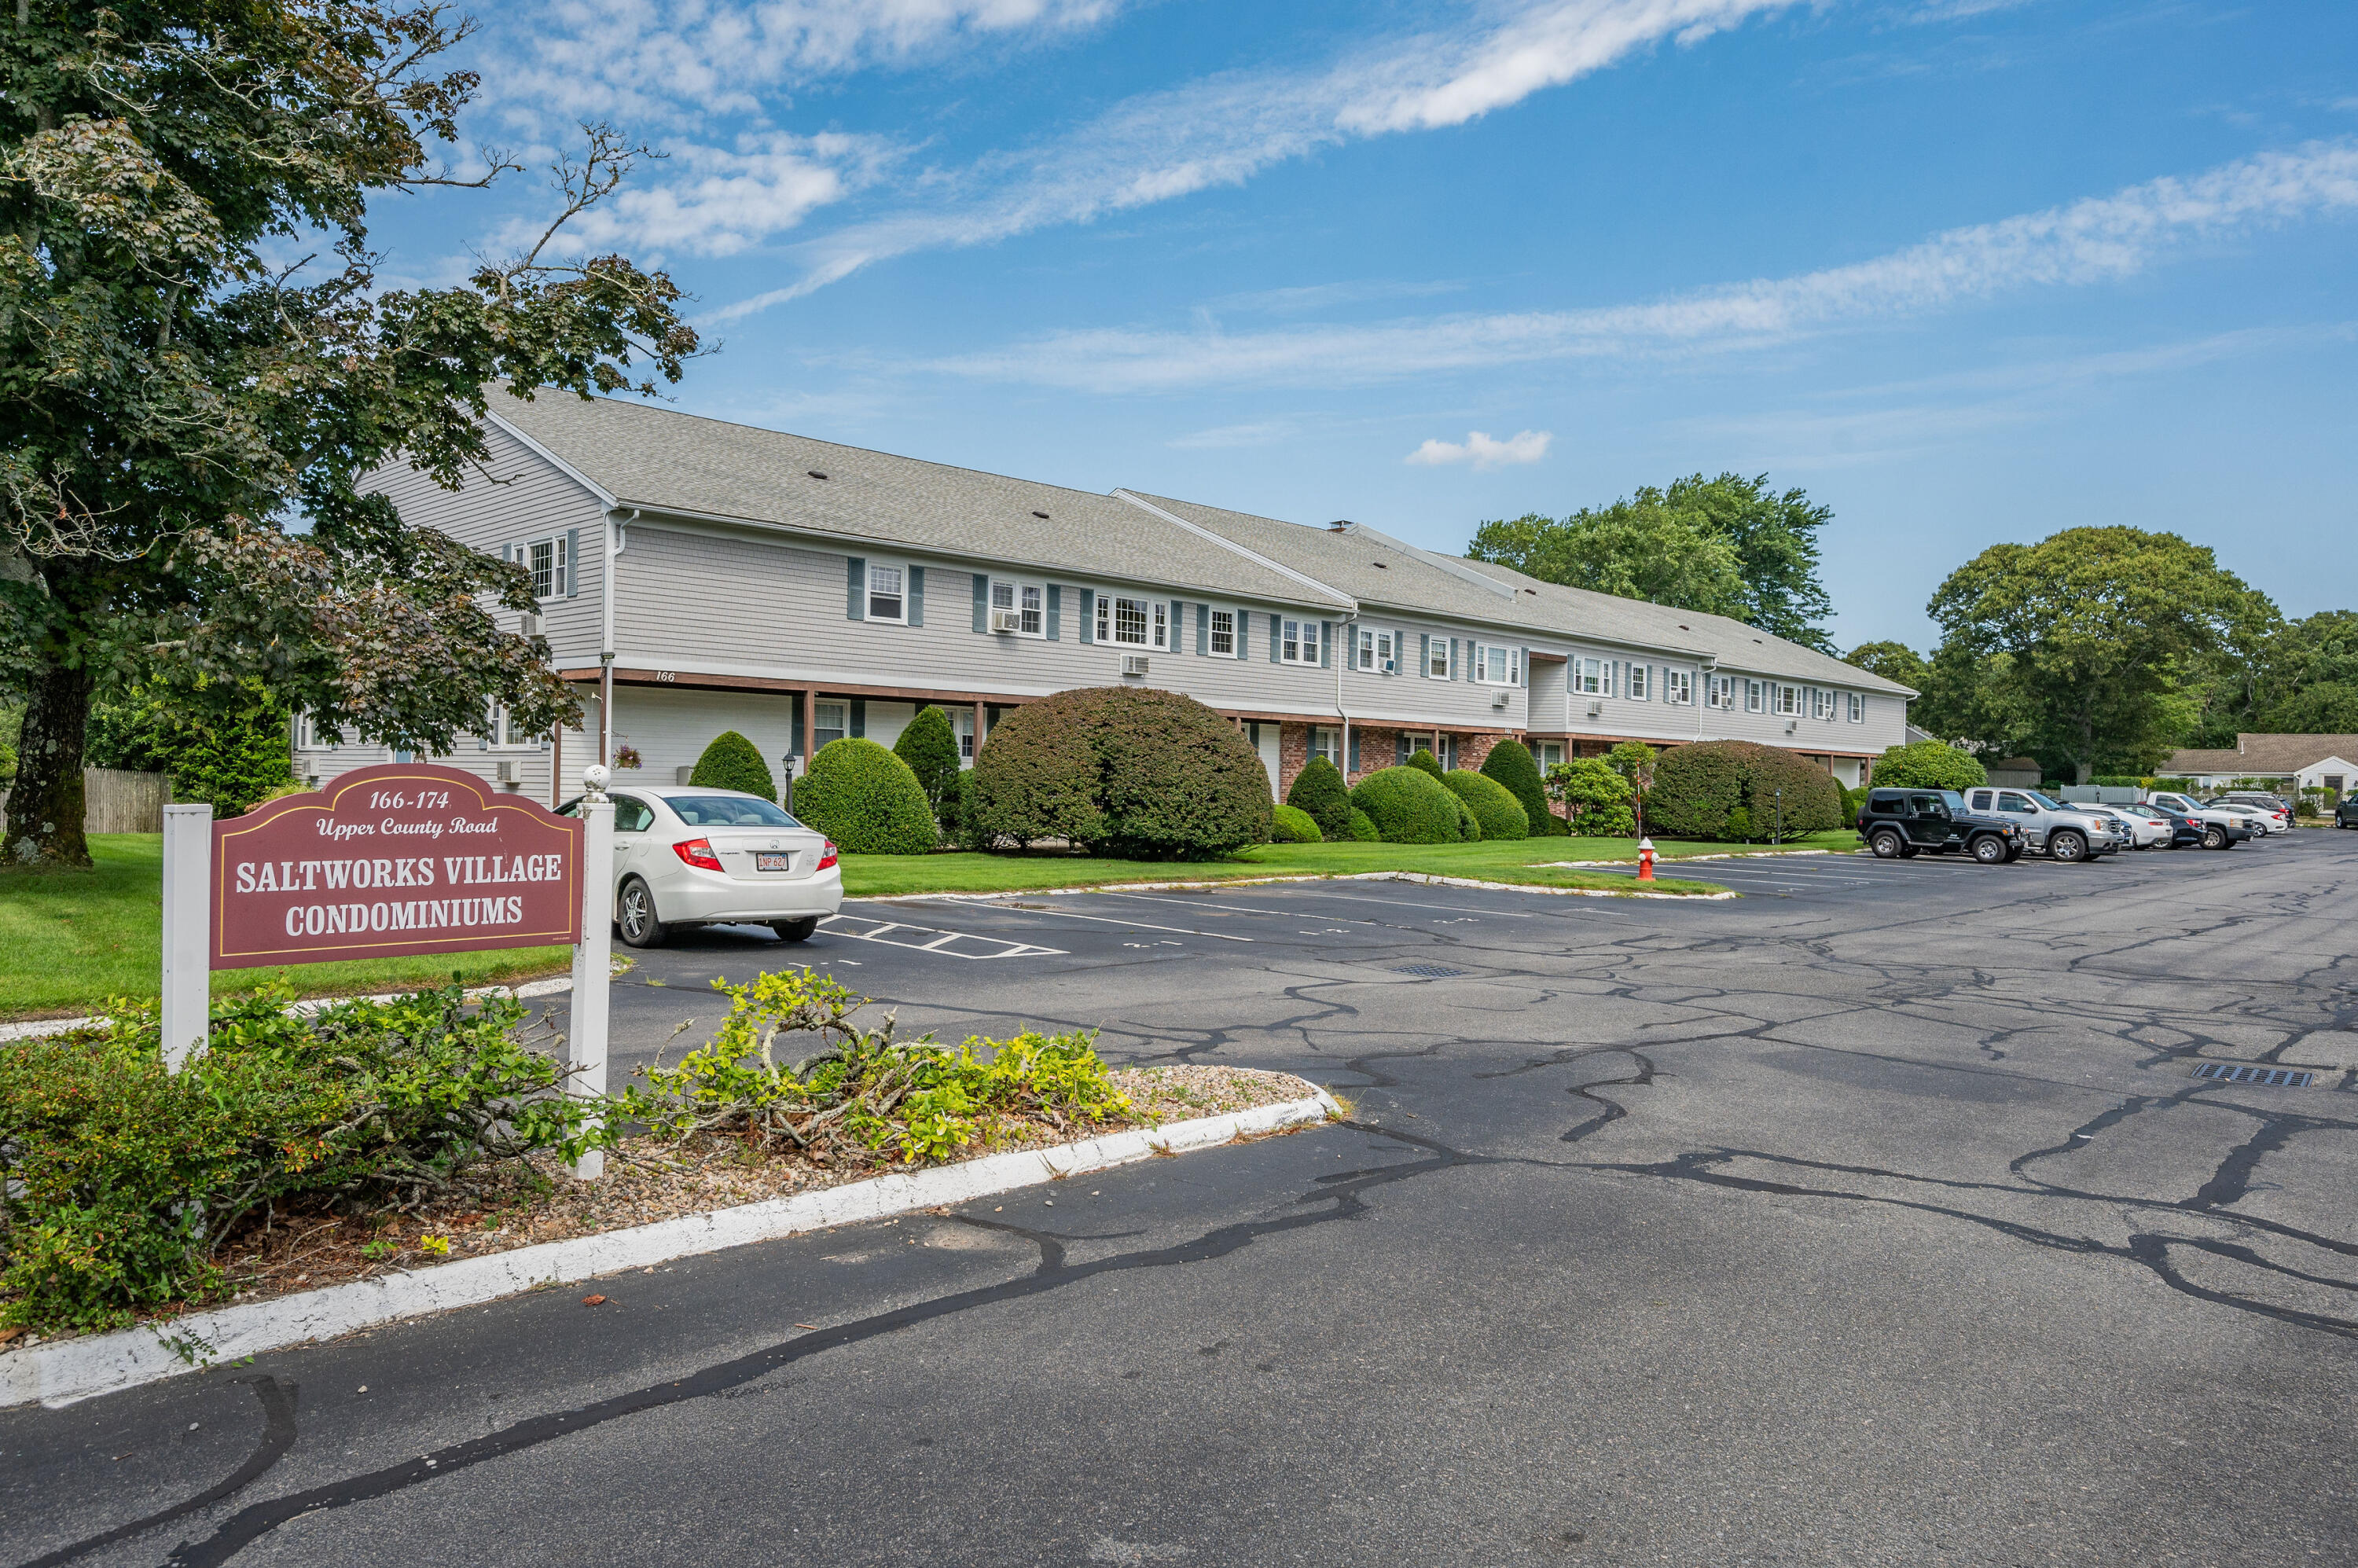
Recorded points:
(1594, 707)
(1133, 664)
(1498, 699)
(1007, 620)
(531, 624)
(506, 773)
(1791, 725)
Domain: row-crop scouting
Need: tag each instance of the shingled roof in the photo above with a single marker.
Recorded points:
(2258, 756)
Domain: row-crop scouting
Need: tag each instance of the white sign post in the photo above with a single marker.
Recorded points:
(585, 1040)
(186, 1011)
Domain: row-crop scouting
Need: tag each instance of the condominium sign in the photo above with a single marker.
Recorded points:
(407, 857)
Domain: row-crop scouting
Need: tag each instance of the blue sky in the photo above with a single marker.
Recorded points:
(1967, 270)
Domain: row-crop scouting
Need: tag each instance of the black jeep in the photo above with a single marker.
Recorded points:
(1900, 822)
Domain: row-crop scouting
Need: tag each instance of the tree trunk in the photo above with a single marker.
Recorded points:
(44, 805)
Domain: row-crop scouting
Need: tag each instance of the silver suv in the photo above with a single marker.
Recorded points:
(2054, 830)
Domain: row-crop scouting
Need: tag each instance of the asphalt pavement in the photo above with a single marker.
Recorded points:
(1878, 1217)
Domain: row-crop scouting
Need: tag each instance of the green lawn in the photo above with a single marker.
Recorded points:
(1505, 861)
(74, 938)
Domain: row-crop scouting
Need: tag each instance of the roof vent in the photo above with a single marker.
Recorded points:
(1383, 566)
(1042, 515)
(1340, 525)
(814, 473)
(1684, 627)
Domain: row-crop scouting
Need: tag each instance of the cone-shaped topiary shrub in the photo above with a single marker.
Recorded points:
(1123, 771)
(1363, 828)
(1698, 790)
(1319, 790)
(732, 762)
(1409, 806)
(1295, 826)
(1498, 813)
(929, 745)
(1426, 760)
(866, 799)
(1510, 763)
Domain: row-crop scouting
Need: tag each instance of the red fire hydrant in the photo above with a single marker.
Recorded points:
(1645, 859)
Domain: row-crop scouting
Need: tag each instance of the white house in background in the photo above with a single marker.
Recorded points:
(696, 575)
(2309, 761)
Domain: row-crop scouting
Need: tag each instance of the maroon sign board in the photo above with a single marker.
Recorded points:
(405, 857)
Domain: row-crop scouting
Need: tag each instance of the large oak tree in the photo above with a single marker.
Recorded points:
(199, 368)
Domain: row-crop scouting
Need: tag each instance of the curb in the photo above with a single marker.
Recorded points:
(64, 1371)
(34, 1028)
(1426, 878)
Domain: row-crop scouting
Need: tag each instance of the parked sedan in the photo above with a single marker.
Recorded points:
(716, 857)
(2264, 820)
(2138, 830)
(2181, 831)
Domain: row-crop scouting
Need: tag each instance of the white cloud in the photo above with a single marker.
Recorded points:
(1484, 452)
(719, 201)
(2089, 241)
(1224, 129)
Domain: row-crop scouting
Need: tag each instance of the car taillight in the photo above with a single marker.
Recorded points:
(698, 853)
(827, 856)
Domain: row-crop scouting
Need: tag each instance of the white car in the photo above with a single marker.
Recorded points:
(2142, 832)
(716, 857)
(2264, 820)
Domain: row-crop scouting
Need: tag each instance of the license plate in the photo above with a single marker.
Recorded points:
(768, 862)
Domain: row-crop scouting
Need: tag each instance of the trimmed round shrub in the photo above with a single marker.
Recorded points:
(1601, 799)
(929, 745)
(1424, 761)
(1494, 808)
(1928, 764)
(1699, 790)
(1510, 763)
(1319, 790)
(1409, 806)
(732, 762)
(1363, 828)
(1123, 771)
(1295, 826)
(866, 799)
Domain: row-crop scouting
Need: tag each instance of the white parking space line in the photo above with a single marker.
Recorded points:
(1111, 920)
(1451, 908)
(1230, 908)
(929, 939)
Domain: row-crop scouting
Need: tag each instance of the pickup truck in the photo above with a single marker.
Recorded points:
(2050, 826)
(1899, 824)
(2221, 829)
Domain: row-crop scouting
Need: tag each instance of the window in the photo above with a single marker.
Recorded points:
(2018, 804)
(1298, 643)
(831, 725)
(499, 731)
(1756, 696)
(1134, 622)
(727, 811)
(1858, 707)
(1326, 742)
(1497, 665)
(1788, 701)
(1224, 632)
(1638, 689)
(1588, 677)
(631, 815)
(1550, 753)
(1027, 598)
(550, 562)
(1436, 658)
(1677, 687)
(884, 600)
(1719, 691)
(1377, 650)
(1822, 703)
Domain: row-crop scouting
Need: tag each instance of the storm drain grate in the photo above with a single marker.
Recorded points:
(2272, 1077)
(1429, 971)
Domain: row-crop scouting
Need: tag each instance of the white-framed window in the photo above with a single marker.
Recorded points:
(1756, 696)
(832, 723)
(1297, 642)
(1550, 753)
(1588, 677)
(1223, 638)
(887, 591)
(1822, 703)
(1134, 622)
(1379, 651)
(1028, 599)
(1640, 687)
(1788, 701)
(1719, 691)
(1495, 664)
(1677, 687)
(1436, 658)
(1858, 707)
(1326, 739)
(964, 720)
(312, 735)
(500, 733)
(550, 562)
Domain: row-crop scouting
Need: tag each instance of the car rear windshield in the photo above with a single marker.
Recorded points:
(727, 811)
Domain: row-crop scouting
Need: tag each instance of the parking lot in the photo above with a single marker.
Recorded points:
(1885, 1214)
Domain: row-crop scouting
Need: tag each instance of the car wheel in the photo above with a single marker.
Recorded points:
(794, 930)
(2067, 847)
(2215, 837)
(640, 927)
(1886, 844)
(1990, 849)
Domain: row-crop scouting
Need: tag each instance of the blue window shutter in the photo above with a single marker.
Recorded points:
(1355, 748)
(795, 748)
(1424, 652)
(1089, 615)
(916, 606)
(859, 716)
(1276, 636)
(1178, 619)
(855, 587)
(1453, 658)
(1055, 613)
(981, 602)
(1326, 645)
(572, 563)
(1203, 629)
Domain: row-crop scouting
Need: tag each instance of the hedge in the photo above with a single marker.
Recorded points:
(732, 762)
(1129, 771)
(1363, 828)
(1409, 806)
(867, 800)
(1295, 826)
(929, 745)
(1494, 808)
(1700, 790)
(1319, 790)
(1510, 763)
(1425, 762)
(1928, 764)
